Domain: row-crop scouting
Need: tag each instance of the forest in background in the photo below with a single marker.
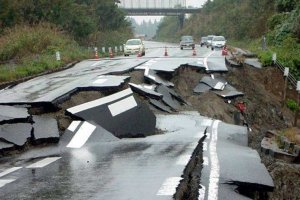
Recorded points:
(244, 23)
(32, 31)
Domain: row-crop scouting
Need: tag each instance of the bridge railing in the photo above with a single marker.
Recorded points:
(152, 4)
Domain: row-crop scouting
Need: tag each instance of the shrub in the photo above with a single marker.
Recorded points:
(292, 105)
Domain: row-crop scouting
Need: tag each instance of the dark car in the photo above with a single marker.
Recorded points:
(203, 41)
(187, 41)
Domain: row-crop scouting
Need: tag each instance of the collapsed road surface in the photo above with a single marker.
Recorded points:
(134, 142)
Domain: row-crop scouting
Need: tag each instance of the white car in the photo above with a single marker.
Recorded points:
(134, 46)
(218, 42)
(209, 40)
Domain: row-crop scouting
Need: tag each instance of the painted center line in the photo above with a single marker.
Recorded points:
(73, 126)
(122, 106)
(214, 176)
(169, 186)
(8, 171)
(43, 163)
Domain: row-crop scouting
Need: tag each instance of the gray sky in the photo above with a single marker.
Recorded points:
(194, 3)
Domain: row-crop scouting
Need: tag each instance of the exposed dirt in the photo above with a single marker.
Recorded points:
(263, 90)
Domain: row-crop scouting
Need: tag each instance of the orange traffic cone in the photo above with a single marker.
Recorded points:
(111, 55)
(96, 55)
(166, 52)
(224, 51)
(194, 52)
(139, 54)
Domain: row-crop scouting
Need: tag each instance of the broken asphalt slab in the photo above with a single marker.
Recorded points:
(45, 129)
(81, 133)
(230, 165)
(51, 88)
(168, 97)
(146, 90)
(152, 76)
(109, 81)
(229, 92)
(253, 62)
(12, 114)
(202, 88)
(160, 105)
(215, 83)
(120, 114)
(17, 134)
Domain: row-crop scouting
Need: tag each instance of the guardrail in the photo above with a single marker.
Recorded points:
(291, 78)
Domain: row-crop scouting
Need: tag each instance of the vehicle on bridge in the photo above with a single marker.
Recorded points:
(187, 41)
(203, 41)
(218, 42)
(134, 46)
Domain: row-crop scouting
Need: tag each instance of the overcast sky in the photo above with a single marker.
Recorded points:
(194, 3)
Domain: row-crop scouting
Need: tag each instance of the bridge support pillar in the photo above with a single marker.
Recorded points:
(181, 20)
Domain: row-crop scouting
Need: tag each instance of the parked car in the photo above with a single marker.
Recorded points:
(187, 41)
(218, 42)
(203, 41)
(134, 46)
(209, 40)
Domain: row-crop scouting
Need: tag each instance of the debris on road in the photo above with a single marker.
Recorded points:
(253, 62)
(146, 90)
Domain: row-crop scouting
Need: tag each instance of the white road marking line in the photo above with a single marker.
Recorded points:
(169, 186)
(74, 125)
(215, 167)
(99, 102)
(204, 146)
(43, 163)
(100, 81)
(219, 86)
(82, 135)
(201, 193)
(93, 65)
(183, 160)
(122, 106)
(4, 182)
(205, 61)
(205, 161)
(212, 76)
(8, 171)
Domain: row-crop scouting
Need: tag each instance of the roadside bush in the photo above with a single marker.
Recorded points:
(26, 51)
(292, 105)
(265, 58)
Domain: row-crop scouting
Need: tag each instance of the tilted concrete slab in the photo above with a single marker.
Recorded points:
(160, 105)
(146, 90)
(82, 133)
(52, 87)
(5, 146)
(216, 83)
(153, 77)
(216, 64)
(229, 92)
(253, 62)
(168, 99)
(231, 163)
(120, 114)
(202, 88)
(12, 113)
(45, 129)
(17, 134)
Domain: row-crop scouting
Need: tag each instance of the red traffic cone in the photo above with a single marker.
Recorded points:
(166, 52)
(96, 55)
(194, 52)
(224, 51)
(111, 55)
(139, 54)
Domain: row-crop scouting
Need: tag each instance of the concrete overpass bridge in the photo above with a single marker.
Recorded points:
(157, 8)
